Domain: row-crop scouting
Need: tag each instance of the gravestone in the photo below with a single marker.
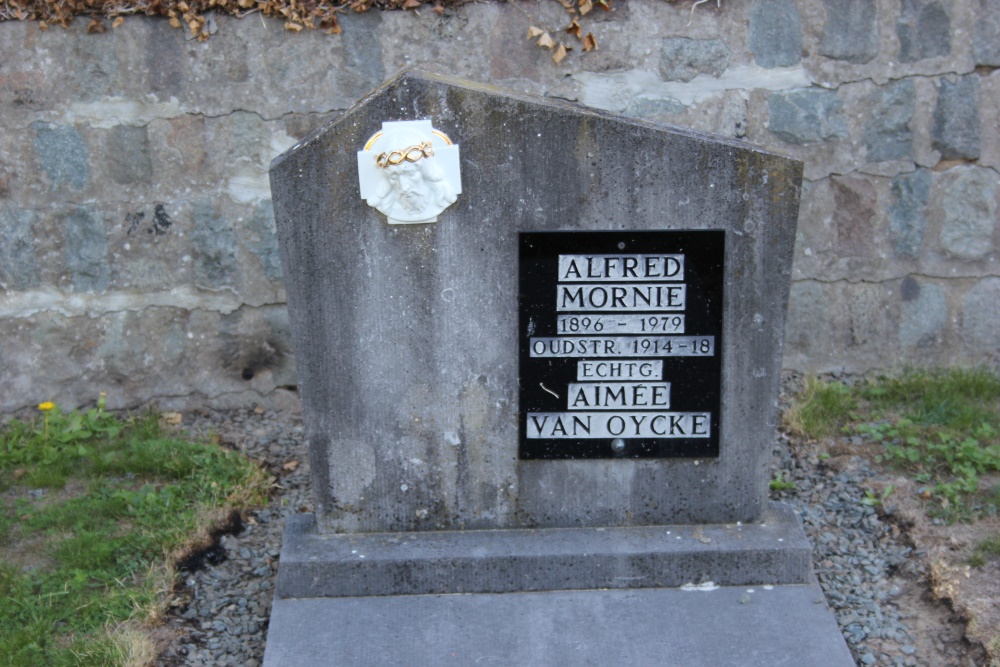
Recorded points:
(539, 350)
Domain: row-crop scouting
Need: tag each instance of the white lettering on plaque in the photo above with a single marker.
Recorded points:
(619, 370)
(648, 297)
(617, 395)
(600, 268)
(619, 425)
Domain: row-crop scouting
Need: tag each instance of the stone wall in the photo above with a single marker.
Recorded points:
(137, 247)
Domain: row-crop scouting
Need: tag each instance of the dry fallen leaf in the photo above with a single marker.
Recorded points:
(258, 410)
(291, 465)
(534, 32)
(574, 29)
(559, 54)
(172, 418)
(95, 27)
(546, 41)
(294, 27)
(117, 22)
(174, 23)
(589, 43)
(439, 9)
(586, 6)
(411, 4)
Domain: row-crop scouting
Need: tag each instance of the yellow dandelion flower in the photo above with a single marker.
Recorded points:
(46, 406)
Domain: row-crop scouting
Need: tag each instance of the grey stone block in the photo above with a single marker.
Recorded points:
(855, 201)
(968, 208)
(263, 240)
(214, 241)
(923, 29)
(85, 250)
(62, 154)
(806, 116)
(979, 309)
(501, 561)
(127, 155)
(682, 59)
(653, 107)
(956, 118)
(775, 33)
(907, 212)
(986, 36)
(925, 313)
(723, 627)
(407, 336)
(887, 132)
(851, 30)
(17, 248)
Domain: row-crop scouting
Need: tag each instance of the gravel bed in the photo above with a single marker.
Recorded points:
(872, 578)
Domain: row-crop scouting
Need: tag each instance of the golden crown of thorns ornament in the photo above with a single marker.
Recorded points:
(410, 154)
(414, 184)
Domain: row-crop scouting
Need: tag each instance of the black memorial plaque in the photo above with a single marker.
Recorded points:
(620, 344)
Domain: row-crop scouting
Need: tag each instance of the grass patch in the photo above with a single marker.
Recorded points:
(986, 551)
(94, 508)
(942, 427)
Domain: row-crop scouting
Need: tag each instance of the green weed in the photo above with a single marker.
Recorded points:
(985, 551)
(821, 410)
(942, 427)
(109, 499)
(781, 483)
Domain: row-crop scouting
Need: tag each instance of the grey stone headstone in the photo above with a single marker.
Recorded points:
(406, 335)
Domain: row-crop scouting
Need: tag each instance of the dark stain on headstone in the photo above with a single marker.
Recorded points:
(909, 289)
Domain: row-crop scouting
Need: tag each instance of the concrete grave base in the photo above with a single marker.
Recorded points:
(316, 564)
(732, 626)
(649, 595)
